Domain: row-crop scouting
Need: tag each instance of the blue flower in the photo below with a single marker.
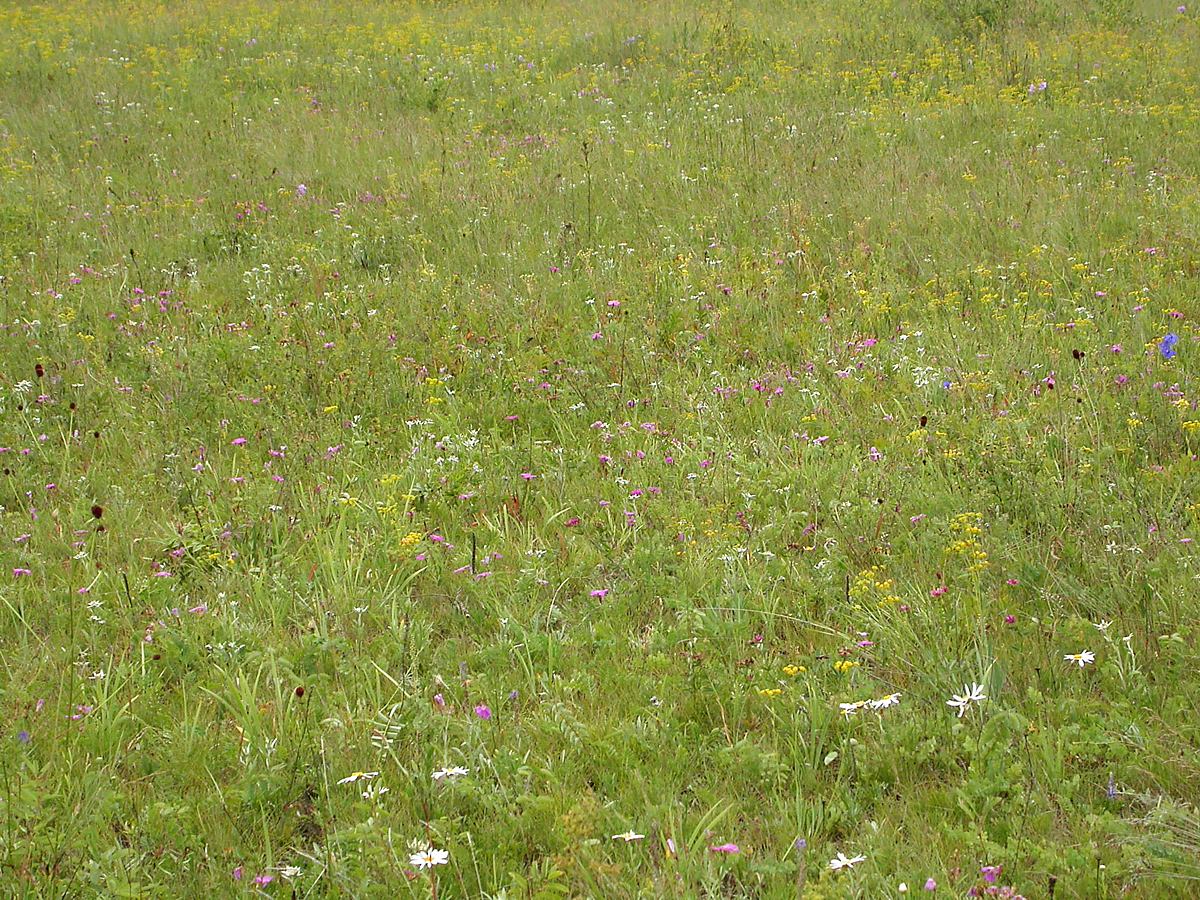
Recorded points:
(1167, 345)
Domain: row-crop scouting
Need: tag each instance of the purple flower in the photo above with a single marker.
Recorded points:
(23, 736)
(730, 849)
(20, 573)
(990, 873)
(930, 884)
(483, 712)
(1167, 345)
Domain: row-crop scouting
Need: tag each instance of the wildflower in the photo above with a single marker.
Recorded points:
(730, 849)
(374, 792)
(885, 702)
(1102, 626)
(483, 712)
(851, 709)
(972, 693)
(1087, 657)
(358, 776)
(628, 836)
(793, 671)
(21, 573)
(238, 872)
(429, 857)
(990, 873)
(263, 879)
(930, 884)
(1167, 345)
(450, 773)
(840, 862)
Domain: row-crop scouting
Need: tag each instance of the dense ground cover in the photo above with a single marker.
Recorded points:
(763, 433)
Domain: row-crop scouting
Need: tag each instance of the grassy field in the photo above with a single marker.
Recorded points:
(599, 449)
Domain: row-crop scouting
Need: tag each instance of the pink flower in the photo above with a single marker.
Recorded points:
(483, 712)
(600, 593)
(20, 573)
(237, 873)
(238, 442)
(725, 848)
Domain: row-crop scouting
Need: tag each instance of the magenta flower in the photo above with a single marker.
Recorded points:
(730, 849)
(483, 712)
(238, 442)
(20, 573)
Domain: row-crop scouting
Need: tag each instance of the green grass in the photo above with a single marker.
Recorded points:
(659, 378)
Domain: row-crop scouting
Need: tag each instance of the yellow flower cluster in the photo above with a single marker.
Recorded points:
(967, 545)
(869, 584)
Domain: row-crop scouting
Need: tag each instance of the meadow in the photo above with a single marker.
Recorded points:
(548, 449)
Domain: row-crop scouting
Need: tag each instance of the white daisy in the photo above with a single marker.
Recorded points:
(885, 702)
(1087, 657)
(841, 861)
(972, 693)
(358, 776)
(628, 836)
(851, 709)
(429, 857)
(374, 792)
